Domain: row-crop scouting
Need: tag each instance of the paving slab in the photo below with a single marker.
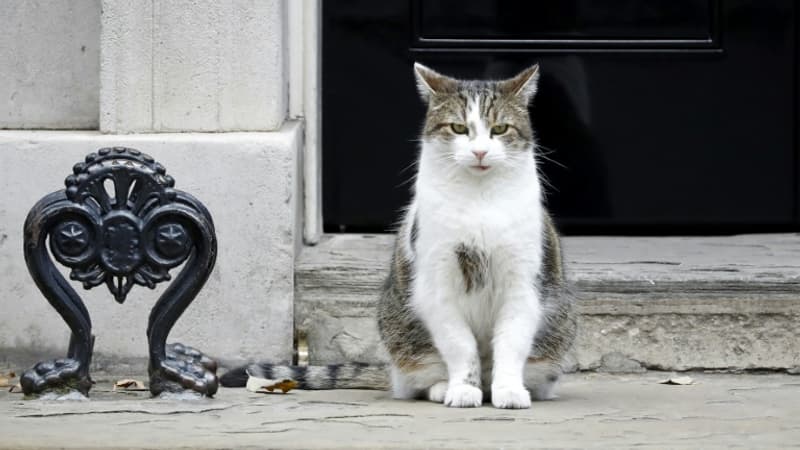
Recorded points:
(593, 411)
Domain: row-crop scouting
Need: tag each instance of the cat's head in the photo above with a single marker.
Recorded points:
(478, 126)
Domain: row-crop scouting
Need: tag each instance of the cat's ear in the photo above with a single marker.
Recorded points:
(430, 82)
(524, 84)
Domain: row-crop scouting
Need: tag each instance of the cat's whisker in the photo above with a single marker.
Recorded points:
(548, 149)
(409, 180)
(545, 181)
(413, 164)
(546, 158)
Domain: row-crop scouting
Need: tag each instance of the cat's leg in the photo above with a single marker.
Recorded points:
(541, 377)
(455, 342)
(428, 381)
(401, 386)
(514, 329)
(463, 366)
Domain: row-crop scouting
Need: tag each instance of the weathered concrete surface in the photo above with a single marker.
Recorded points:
(50, 59)
(594, 411)
(664, 303)
(249, 181)
(193, 65)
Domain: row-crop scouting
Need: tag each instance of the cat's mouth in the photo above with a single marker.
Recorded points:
(480, 167)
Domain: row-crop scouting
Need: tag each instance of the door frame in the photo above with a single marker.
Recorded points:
(304, 35)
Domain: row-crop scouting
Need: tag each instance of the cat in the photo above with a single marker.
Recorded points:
(476, 306)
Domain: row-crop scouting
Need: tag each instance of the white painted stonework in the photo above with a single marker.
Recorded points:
(204, 87)
(251, 184)
(49, 63)
(193, 65)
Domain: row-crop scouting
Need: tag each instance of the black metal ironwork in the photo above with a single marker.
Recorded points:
(120, 222)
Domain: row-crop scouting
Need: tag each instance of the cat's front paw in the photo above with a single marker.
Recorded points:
(511, 397)
(463, 396)
(438, 391)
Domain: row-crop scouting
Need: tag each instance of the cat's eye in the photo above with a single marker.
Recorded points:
(499, 129)
(458, 128)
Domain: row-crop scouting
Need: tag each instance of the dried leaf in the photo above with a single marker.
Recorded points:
(16, 389)
(284, 386)
(5, 380)
(265, 386)
(683, 381)
(129, 385)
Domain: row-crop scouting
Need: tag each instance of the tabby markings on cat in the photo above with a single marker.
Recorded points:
(476, 306)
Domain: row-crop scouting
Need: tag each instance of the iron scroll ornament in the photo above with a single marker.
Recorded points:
(120, 222)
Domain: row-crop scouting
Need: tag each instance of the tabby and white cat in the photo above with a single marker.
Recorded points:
(476, 305)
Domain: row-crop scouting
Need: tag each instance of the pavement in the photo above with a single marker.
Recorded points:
(592, 411)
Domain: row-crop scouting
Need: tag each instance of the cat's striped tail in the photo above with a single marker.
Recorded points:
(352, 375)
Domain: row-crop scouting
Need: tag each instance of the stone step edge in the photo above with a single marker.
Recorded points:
(724, 321)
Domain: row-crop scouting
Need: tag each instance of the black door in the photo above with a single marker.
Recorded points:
(656, 116)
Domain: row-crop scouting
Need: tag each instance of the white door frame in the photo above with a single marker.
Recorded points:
(305, 100)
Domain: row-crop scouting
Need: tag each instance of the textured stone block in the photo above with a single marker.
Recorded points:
(728, 303)
(50, 53)
(193, 65)
(250, 183)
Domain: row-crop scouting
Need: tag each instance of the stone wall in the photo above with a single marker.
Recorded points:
(201, 86)
(193, 65)
(49, 64)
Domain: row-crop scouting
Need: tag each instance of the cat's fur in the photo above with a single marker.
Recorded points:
(476, 304)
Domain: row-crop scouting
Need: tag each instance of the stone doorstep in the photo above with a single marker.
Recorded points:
(669, 303)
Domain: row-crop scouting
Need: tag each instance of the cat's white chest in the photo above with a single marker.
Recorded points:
(493, 222)
(504, 232)
(501, 225)
(484, 226)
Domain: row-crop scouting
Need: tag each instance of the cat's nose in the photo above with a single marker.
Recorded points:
(479, 154)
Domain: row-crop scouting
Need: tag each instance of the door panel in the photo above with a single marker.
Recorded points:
(651, 117)
(516, 21)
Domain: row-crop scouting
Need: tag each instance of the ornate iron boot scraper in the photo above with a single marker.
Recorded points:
(120, 222)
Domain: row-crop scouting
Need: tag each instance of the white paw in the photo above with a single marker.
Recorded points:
(437, 392)
(511, 397)
(463, 396)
